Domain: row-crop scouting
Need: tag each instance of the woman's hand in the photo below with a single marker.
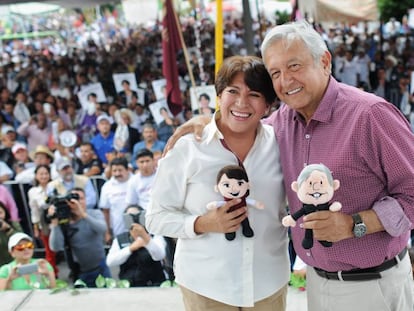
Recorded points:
(220, 219)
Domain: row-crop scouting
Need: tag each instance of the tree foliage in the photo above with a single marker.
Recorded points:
(392, 8)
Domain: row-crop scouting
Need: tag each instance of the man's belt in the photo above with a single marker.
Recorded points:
(362, 274)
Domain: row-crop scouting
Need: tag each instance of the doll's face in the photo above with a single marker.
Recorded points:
(232, 188)
(316, 189)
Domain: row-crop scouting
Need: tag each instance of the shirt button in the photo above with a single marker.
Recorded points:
(307, 136)
(308, 254)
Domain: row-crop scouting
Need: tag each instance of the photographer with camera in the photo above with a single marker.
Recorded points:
(24, 272)
(138, 253)
(79, 232)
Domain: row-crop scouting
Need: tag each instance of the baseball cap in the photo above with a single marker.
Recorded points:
(7, 128)
(103, 117)
(63, 162)
(16, 238)
(18, 146)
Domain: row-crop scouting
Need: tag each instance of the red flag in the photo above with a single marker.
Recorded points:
(171, 44)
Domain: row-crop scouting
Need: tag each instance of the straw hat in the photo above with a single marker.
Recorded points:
(41, 149)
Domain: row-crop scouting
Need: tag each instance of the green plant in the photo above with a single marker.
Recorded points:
(100, 282)
(392, 8)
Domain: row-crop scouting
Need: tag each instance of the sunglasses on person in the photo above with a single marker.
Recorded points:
(22, 247)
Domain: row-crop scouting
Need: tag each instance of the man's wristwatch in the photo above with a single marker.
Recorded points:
(360, 229)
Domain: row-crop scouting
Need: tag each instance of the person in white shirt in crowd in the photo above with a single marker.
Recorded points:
(21, 111)
(137, 252)
(214, 273)
(38, 209)
(40, 156)
(349, 69)
(140, 184)
(21, 157)
(363, 61)
(6, 172)
(112, 199)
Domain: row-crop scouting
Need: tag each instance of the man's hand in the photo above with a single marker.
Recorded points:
(329, 226)
(76, 208)
(194, 125)
(138, 230)
(220, 220)
(51, 212)
(108, 237)
(140, 236)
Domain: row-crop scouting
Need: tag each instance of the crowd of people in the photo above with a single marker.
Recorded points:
(55, 144)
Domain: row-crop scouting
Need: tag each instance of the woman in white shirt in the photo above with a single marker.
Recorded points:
(37, 202)
(215, 273)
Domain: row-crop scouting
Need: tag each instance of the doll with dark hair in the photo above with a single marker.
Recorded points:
(232, 183)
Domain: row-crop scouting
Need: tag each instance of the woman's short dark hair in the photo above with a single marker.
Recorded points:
(256, 76)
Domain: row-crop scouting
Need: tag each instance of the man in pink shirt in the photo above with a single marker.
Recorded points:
(368, 145)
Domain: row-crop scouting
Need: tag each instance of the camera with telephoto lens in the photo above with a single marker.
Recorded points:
(62, 212)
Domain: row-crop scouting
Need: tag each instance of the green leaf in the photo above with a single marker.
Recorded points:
(80, 284)
(100, 281)
(61, 284)
(110, 283)
(123, 284)
(168, 283)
